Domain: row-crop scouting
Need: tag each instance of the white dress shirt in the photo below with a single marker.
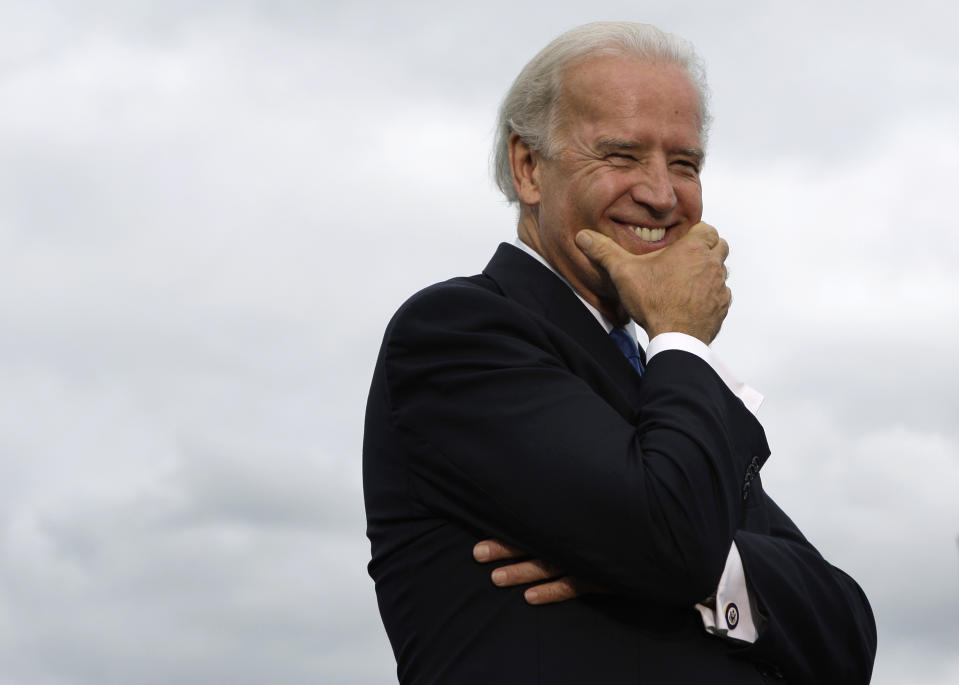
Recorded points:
(729, 612)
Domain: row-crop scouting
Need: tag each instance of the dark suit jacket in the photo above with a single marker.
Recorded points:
(500, 408)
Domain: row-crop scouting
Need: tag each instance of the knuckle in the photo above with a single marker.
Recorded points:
(531, 570)
(615, 270)
(599, 247)
(557, 591)
(527, 571)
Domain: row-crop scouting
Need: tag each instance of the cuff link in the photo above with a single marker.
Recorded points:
(732, 615)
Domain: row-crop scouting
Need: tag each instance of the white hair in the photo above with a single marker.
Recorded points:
(529, 108)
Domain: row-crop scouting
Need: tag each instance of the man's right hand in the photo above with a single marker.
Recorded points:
(681, 288)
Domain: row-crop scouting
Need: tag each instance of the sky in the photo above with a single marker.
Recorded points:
(210, 210)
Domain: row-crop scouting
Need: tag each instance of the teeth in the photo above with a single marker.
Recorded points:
(650, 235)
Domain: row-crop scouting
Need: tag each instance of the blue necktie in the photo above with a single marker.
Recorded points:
(624, 341)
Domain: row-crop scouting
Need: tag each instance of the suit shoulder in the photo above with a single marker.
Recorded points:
(465, 319)
(463, 287)
(448, 302)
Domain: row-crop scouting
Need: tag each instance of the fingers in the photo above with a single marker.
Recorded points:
(524, 572)
(706, 233)
(493, 550)
(722, 249)
(558, 590)
(716, 245)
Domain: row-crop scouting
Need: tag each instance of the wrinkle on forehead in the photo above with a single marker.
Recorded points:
(598, 89)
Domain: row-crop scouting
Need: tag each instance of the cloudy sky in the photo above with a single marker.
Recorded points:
(209, 211)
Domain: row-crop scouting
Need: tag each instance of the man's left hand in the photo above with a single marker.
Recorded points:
(558, 588)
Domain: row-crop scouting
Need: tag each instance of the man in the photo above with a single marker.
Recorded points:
(514, 405)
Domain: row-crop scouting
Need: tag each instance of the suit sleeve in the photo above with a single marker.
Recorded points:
(507, 440)
(819, 625)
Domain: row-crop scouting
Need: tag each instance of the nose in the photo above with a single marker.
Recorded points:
(654, 187)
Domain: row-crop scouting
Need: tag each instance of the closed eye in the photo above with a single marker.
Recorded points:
(694, 166)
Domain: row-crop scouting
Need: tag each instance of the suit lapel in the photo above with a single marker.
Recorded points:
(527, 282)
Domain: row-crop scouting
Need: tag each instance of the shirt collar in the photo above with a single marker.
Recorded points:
(602, 320)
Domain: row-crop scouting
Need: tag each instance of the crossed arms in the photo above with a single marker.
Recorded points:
(515, 436)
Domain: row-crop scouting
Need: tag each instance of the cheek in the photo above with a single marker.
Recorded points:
(603, 192)
(690, 195)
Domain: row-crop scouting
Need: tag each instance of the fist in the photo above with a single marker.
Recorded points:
(681, 288)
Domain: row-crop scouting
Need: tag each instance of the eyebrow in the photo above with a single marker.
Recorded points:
(695, 152)
(606, 144)
(610, 144)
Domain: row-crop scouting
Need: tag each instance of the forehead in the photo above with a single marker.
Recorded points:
(624, 93)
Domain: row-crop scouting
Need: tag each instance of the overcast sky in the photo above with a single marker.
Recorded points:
(209, 211)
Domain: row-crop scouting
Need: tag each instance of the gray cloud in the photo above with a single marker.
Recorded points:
(209, 211)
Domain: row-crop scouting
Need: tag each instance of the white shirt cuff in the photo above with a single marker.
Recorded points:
(729, 614)
(687, 343)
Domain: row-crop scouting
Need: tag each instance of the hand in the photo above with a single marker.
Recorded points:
(559, 588)
(680, 288)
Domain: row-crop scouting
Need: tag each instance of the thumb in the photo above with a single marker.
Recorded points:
(599, 248)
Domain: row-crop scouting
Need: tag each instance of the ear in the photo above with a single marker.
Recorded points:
(526, 165)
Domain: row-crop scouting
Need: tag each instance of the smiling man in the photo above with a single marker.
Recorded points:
(514, 407)
(626, 164)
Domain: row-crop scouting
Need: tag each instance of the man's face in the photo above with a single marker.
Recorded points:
(627, 165)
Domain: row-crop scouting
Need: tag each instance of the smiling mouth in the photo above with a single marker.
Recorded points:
(650, 235)
(645, 233)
